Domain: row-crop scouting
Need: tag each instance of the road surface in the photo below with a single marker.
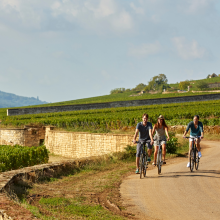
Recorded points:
(177, 193)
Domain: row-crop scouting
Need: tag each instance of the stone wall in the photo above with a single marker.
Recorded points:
(34, 136)
(12, 137)
(214, 85)
(36, 110)
(28, 136)
(80, 145)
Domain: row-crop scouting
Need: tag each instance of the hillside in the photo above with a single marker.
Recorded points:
(8, 100)
(133, 95)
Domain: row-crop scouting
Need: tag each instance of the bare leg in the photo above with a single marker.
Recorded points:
(137, 162)
(198, 145)
(164, 151)
(190, 147)
(155, 153)
(149, 151)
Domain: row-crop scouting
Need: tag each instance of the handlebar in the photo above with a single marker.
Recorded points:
(143, 142)
(160, 140)
(193, 137)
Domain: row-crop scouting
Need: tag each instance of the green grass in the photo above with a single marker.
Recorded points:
(75, 207)
(194, 83)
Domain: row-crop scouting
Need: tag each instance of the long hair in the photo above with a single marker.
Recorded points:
(163, 124)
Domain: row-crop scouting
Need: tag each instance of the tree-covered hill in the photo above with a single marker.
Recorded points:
(11, 100)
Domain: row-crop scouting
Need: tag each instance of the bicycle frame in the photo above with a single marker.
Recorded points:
(143, 159)
(194, 158)
(159, 156)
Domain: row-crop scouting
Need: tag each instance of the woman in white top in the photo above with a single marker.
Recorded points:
(161, 128)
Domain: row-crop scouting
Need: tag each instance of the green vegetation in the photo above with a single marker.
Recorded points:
(157, 83)
(195, 84)
(183, 85)
(202, 85)
(88, 192)
(15, 157)
(117, 118)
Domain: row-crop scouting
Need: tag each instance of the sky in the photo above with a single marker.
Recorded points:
(64, 50)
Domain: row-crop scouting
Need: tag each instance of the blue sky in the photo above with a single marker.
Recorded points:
(70, 49)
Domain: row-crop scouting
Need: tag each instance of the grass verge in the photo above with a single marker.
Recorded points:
(91, 192)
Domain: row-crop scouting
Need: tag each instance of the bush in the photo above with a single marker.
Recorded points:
(183, 85)
(15, 157)
(202, 85)
(172, 144)
(117, 90)
(139, 87)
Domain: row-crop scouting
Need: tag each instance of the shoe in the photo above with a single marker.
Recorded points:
(148, 159)
(154, 164)
(199, 154)
(137, 171)
(188, 164)
(164, 162)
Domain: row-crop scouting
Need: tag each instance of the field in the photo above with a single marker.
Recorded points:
(120, 118)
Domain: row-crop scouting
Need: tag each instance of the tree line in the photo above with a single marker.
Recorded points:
(160, 82)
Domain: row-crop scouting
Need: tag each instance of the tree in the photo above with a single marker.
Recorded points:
(139, 87)
(157, 82)
(117, 90)
(183, 85)
(202, 85)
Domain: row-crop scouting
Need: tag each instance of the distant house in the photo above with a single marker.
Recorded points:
(213, 75)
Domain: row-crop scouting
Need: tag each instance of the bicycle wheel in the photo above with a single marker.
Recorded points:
(159, 161)
(145, 166)
(141, 166)
(191, 160)
(196, 160)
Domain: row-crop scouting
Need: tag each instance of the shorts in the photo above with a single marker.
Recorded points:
(156, 142)
(139, 148)
(191, 139)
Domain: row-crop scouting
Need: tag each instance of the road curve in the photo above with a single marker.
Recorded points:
(177, 193)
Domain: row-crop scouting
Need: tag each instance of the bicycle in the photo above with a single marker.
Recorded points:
(143, 158)
(159, 162)
(194, 157)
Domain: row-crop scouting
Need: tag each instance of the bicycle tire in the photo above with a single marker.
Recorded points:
(191, 160)
(141, 165)
(145, 166)
(196, 159)
(159, 161)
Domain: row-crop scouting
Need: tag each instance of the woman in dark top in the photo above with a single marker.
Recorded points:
(196, 130)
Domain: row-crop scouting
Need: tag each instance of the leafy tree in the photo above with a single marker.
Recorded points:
(208, 76)
(184, 84)
(139, 87)
(202, 85)
(157, 82)
(117, 90)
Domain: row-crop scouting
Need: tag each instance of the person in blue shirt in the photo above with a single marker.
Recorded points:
(196, 130)
(144, 129)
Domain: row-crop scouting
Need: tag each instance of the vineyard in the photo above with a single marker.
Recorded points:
(15, 157)
(117, 118)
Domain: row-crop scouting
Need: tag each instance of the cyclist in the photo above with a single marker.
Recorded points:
(144, 129)
(161, 128)
(196, 129)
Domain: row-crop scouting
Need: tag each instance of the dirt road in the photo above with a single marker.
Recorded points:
(177, 193)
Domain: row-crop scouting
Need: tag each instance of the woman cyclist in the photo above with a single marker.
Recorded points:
(161, 128)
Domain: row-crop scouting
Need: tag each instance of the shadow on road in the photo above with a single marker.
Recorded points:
(200, 173)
